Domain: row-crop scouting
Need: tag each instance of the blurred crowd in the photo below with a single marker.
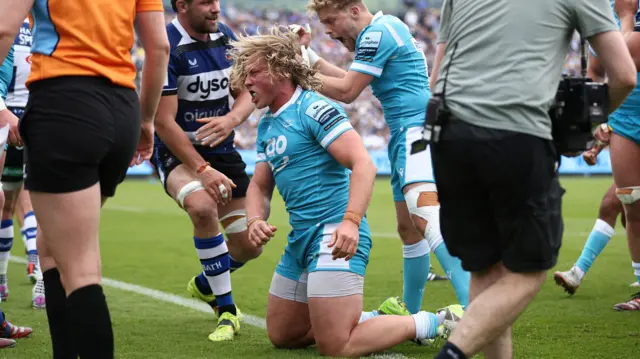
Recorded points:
(365, 112)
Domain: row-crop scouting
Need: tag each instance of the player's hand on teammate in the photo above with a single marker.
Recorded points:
(216, 129)
(625, 8)
(217, 185)
(344, 240)
(145, 144)
(260, 232)
(7, 117)
(302, 31)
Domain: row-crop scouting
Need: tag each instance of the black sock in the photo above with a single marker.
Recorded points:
(90, 322)
(450, 351)
(59, 328)
(227, 308)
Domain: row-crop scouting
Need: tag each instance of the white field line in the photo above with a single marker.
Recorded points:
(187, 303)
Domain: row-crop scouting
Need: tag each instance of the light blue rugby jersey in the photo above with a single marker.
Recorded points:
(6, 74)
(631, 106)
(294, 142)
(386, 50)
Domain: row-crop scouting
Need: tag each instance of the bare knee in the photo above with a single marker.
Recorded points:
(408, 233)
(283, 339)
(203, 212)
(240, 248)
(610, 208)
(246, 253)
(336, 349)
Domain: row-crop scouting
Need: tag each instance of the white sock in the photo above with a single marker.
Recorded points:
(367, 315)
(426, 325)
(6, 242)
(29, 229)
(579, 272)
(441, 315)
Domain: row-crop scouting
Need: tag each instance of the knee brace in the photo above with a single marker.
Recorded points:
(628, 195)
(422, 201)
(188, 189)
(234, 222)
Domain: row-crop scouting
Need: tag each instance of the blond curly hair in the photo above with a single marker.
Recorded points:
(317, 5)
(280, 50)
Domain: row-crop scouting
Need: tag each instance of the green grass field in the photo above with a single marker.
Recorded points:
(146, 240)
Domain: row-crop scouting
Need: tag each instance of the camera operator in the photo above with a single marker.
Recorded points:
(497, 69)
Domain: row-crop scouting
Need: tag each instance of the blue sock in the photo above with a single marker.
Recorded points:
(459, 277)
(598, 239)
(214, 257)
(203, 284)
(6, 242)
(2, 319)
(234, 264)
(415, 274)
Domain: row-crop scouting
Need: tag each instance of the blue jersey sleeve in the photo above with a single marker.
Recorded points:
(374, 48)
(171, 82)
(6, 74)
(325, 121)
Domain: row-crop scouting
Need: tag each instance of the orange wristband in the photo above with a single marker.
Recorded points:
(203, 167)
(352, 217)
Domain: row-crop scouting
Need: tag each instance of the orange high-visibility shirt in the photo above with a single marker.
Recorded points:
(86, 38)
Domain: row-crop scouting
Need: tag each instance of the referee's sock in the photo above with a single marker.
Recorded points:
(450, 351)
(90, 322)
(59, 327)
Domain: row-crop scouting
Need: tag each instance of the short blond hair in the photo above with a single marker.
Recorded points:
(317, 5)
(280, 50)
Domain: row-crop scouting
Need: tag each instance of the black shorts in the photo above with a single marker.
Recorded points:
(229, 164)
(79, 131)
(500, 198)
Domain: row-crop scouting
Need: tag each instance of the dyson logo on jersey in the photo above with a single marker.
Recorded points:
(205, 86)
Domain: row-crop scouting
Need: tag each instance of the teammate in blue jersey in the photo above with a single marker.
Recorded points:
(390, 60)
(8, 130)
(12, 178)
(306, 146)
(624, 141)
(195, 156)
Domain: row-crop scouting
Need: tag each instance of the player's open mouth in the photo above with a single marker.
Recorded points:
(253, 96)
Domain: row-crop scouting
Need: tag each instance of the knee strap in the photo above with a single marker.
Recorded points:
(234, 222)
(188, 189)
(422, 201)
(628, 195)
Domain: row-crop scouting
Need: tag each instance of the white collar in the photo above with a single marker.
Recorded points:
(376, 17)
(293, 99)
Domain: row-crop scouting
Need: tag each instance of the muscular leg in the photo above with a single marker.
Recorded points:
(416, 260)
(598, 239)
(209, 242)
(234, 221)
(288, 323)
(423, 209)
(625, 162)
(499, 297)
(340, 335)
(74, 248)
